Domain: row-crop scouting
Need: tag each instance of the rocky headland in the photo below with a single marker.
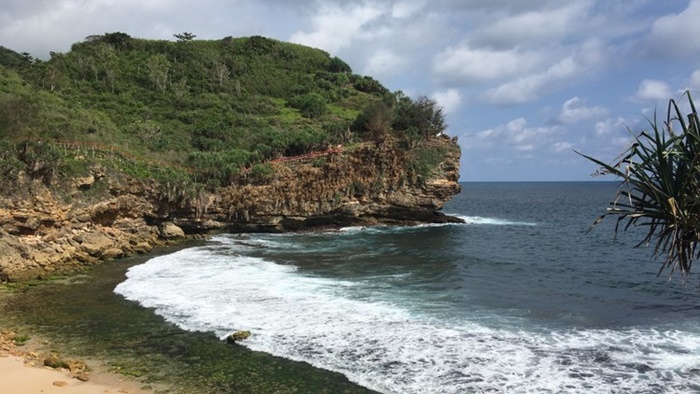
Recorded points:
(53, 229)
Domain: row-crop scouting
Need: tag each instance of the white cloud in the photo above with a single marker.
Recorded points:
(608, 126)
(514, 135)
(695, 80)
(542, 25)
(653, 90)
(676, 34)
(560, 147)
(334, 26)
(449, 100)
(574, 110)
(384, 61)
(588, 58)
(406, 9)
(467, 64)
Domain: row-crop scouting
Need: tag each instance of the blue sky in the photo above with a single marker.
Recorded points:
(524, 83)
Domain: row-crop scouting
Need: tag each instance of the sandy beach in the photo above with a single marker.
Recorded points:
(22, 371)
(20, 378)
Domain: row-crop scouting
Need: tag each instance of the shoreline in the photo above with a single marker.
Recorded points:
(129, 346)
(23, 371)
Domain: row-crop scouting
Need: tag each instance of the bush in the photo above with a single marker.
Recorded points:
(311, 105)
(219, 168)
(10, 165)
(425, 160)
(374, 120)
(368, 85)
(336, 65)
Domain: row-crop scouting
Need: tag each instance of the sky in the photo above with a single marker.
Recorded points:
(524, 83)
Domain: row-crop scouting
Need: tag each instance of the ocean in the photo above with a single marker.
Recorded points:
(518, 299)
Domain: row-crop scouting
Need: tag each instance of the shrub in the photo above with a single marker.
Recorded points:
(425, 160)
(374, 120)
(336, 65)
(311, 105)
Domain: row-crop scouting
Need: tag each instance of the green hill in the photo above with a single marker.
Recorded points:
(201, 110)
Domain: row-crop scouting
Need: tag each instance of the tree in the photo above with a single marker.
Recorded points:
(159, 71)
(422, 117)
(183, 37)
(220, 73)
(374, 120)
(660, 187)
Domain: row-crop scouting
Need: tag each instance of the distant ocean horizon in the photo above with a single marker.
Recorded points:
(519, 299)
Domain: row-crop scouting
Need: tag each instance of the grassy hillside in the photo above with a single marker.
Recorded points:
(198, 109)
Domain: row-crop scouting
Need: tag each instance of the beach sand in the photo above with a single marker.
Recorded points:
(16, 377)
(22, 371)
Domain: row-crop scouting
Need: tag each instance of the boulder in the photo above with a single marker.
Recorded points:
(170, 230)
(238, 336)
(94, 243)
(112, 253)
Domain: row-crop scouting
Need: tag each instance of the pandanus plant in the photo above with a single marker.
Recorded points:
(660, 188)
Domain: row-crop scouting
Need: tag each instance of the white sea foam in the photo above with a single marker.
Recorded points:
(387, 347)
(492, 221)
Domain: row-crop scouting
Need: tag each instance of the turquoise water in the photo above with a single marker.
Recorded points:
(517, 299)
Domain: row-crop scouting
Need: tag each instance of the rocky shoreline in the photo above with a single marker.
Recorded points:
(40, 237)
(47, 230)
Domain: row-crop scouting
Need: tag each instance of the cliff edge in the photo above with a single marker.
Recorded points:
(47, 230)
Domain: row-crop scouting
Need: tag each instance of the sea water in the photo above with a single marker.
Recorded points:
(520, 298)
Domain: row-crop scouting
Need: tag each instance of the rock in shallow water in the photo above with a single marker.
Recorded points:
(238, 336)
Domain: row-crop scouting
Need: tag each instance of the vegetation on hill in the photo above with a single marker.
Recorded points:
(661, 187)
(191, 110)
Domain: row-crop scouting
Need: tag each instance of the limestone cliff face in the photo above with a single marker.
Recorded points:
(372, 183)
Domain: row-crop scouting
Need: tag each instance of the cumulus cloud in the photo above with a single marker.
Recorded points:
(653, 90)
(514, 135)
(608, 126)
(694, 82)
(466, 64)
(574, 110)
(384, 61)
(591, 56)
(449, 100)
(675, 34)
(545, 24)
(335, 26)
(562, 146)
(406, 9)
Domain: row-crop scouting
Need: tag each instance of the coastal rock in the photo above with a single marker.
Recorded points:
(374, 183)
(238, 336)
(84, 183)
(95, 243)
(53, 361)
(112, 253)
(170, 231)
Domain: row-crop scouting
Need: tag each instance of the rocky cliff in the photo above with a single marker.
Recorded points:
(106, 216)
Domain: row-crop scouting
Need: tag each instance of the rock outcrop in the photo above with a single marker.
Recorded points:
(48, 232)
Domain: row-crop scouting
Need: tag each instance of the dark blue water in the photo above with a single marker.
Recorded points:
(518, 299)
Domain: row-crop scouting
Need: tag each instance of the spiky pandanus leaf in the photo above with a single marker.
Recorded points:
(660, 187)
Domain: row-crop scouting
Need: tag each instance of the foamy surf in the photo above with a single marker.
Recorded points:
(392, 348)
(478, 220)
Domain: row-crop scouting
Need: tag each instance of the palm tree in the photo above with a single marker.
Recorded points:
(660, 187)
